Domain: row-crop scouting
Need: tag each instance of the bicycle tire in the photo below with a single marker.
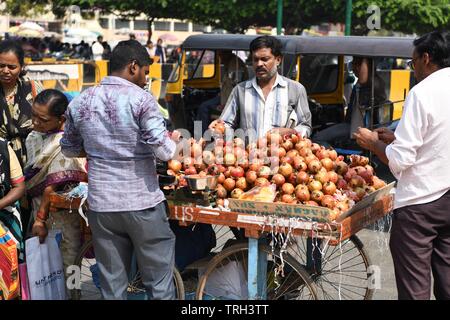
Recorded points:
(217, 262)
(77, 294)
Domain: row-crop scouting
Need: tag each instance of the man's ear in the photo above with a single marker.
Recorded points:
(133, 67)
(426, 58)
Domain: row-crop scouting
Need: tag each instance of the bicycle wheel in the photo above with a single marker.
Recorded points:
(89, 279)
(340, 272)
(285, 278)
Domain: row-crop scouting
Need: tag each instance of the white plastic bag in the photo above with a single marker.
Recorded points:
(45, 268)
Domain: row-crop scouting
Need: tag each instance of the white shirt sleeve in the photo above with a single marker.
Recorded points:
(402, 152)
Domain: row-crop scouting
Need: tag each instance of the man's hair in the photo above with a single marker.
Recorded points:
(269, 42)
(99, 37)
(437, 45)
(55, 100)
(127, 51)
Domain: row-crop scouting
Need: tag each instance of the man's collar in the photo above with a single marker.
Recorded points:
(279, 81)
(117, 80)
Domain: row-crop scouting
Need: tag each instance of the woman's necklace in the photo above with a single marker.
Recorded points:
(10, 94)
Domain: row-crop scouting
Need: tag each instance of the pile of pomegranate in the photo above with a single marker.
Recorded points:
(303, 172)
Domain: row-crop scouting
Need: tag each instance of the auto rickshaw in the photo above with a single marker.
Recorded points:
(321, 64)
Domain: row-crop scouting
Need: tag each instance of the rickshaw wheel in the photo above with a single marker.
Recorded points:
(286, 279)
(341, 273)
(90, 287)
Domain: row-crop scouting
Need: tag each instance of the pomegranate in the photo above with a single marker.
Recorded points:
(251, 176)
(188, 162)
(196, 150)
(174, 165)
(229, 184)
(219, 128)
(342, 184)
(378, 183)
(360, 192)
(342, 206)
(237, 172)
(221, 178)
(287, 188)
(302, 177)
(287, 198)
(314, 166)
(341, 168)
(327, 163)
(314, 185)
(274, 138)
(292, 178)
(262, 182)
(315, 147)
(236, 193)
(278, 179)
(229, 159)
(287, 145)
(221, 191)
(238, 142)
(310, 158)
(332, 154)
(304, 152)
(317, 196)
(322, 153)
(356, 181)
(350, 174)
(311, 203)
(294, 138)
(328, 201)
(287, 159)
(333, 176)
(264, 172)
(329, 188)
(190, 170)
(302, 193)
(292, 154)
(285, 169)
(322, 177)
(241, 183)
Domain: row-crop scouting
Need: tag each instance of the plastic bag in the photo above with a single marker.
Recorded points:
(45, 268)
(265, 194)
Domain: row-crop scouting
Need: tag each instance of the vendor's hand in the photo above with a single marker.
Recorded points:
(40, 229)
(283, 131)
(365, 138)
(175, 135)
(385, 135)
(213, 124)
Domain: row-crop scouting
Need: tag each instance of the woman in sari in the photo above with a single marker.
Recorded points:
(16, 98)
(48, 171)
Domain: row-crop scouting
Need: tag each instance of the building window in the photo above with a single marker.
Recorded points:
(198, 28)
(104, 23)
(162, 25)
(181, 26)
(122, 24)
(140, 24)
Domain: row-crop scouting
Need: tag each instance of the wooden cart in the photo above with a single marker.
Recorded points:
(305, 268)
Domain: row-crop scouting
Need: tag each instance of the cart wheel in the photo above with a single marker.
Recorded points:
(339, 269)
(290, 282)
(90, 285)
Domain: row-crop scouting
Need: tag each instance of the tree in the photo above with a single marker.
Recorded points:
(27, 8)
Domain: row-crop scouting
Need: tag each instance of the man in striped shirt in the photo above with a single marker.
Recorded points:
(268, 101)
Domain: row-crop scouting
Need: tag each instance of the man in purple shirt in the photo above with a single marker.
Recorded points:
(118, 127)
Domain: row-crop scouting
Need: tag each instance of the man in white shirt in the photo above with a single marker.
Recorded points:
(97, 48)
(418, 154)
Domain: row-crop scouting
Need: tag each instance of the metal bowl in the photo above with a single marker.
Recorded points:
(198, 183)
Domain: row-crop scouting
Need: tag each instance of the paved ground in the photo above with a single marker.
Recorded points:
(376, 244)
